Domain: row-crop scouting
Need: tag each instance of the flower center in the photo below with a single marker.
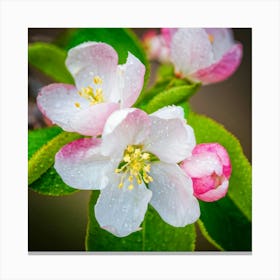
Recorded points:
(95, 96)
(135, 165)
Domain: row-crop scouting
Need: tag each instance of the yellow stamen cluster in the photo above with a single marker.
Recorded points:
(211, 38)
(135, 165)
(94, 96)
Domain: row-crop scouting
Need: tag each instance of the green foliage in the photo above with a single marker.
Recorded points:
(186, 107)
(121, 39)
(172, 96)
(225, 226)
(165, 71)
(155, 235)
(50, 60)
(43, 158)
(240, 184)
(166, 92)
(37, 138)
(50, 183)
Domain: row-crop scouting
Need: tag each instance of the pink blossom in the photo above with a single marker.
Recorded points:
(206, 55)
(156, 46)
(133, 164)
(210, 169)
(101, 87)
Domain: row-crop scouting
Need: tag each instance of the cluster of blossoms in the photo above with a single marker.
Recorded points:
(133, 158)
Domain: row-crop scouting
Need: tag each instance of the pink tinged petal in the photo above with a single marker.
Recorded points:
(171, 140)
(210, 169)
(222, 69)
(173, 195)
(81, 165)
(214, 194)
(156, 47)
(57, 103)
(221, 39)
(124, 127)
(217, 149)
(131, 77)
(91, 121)
(191, 50)
(121, 211)
(152, 44)
(202, 164)
(92, 59)
(167, 34)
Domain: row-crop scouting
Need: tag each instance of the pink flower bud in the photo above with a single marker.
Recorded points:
(210, 169)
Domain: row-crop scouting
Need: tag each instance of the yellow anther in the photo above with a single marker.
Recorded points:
(93, 96)
(211, 38)
(147, 179)
(130, 187)
(77, 104)
(99, 92)
(97, 80)
(145, 156)
(147, 168)
(130, 148)
(126, 158)
(150, 178)
(135, 166)
(120, 185)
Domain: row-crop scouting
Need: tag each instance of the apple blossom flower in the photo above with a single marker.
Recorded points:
(210, 170)
(102, 86)
(133, 164)
(206, 55)
(156, 46)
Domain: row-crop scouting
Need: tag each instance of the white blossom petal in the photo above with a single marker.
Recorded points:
(131, 78)
(222, 40)
(91, 59)
(124, 127)
(191, 50)
(81, 166)
(170, 112)
(170, 139)
(173, 195)
(121, 211)
(57, 103)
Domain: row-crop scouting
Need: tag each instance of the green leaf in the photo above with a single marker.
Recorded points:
(240, 184)
(165, 71)
(37, 138)
(186, 107)
(121, 39)
(170, 96)
(155, 235)
(225, 226)
(43, 158)
(50, 60)
(50, 183)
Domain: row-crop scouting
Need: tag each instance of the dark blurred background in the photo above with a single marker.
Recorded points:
(59, 223)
